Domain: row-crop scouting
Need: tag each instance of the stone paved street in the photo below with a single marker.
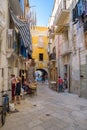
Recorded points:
(49, 110)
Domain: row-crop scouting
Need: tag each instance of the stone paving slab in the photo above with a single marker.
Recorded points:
(49, 110)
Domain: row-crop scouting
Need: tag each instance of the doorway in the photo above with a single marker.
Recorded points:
(67, 75)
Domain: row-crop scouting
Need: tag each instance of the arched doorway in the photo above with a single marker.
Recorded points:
(41, 74)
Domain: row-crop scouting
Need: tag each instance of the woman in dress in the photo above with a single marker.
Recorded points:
(13, 83)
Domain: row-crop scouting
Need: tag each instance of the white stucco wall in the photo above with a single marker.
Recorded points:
(4, 63)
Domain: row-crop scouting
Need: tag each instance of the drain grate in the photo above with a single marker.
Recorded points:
(34, 105)
(47, 114)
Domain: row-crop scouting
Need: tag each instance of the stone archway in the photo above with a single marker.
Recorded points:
(41, 73)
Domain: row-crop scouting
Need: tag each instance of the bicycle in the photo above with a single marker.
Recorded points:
(4, 108)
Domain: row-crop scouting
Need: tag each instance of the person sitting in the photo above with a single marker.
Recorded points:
(17, 90)
(26, 88)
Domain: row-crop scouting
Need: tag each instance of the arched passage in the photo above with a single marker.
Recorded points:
(43, 71)
(40, 74)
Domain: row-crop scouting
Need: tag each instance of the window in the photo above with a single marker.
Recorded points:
(10, 36)
(40, 57)
(40, 42)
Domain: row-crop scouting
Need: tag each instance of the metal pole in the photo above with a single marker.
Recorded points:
(58, 58)
(79, 74)
(49, 62)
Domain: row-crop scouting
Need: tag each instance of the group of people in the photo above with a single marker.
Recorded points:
(19, 88)
(62, 84)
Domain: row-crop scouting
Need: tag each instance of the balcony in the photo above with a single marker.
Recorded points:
(61, 28)
(52, 57)
(62, 13)
(66, 51)
(61, 20)
(51, 33)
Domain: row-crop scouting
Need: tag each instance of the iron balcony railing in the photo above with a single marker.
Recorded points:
(52, 56)
(61, 6)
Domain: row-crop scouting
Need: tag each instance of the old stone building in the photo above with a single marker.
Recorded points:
(69, 18)
(79, 50)
(39, 46)
(13, 51)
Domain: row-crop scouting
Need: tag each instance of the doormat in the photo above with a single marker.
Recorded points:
(15, 111)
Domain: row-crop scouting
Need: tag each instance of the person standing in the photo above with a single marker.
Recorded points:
(13, 83)
(60, 84)
(17, 90)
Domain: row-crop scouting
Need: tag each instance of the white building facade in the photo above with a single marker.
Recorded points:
(12, 59)
(71, 51)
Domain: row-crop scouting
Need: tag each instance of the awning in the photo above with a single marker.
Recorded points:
(23, 29)
(15, 6)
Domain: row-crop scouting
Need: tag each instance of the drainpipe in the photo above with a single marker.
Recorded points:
(79, 73)
(58, 57)
(49, 62)
(49, 33)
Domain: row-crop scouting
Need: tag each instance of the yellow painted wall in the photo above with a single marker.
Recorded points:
(36, 33)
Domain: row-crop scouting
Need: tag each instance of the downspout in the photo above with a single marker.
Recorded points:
(79, 74)
(58, 57)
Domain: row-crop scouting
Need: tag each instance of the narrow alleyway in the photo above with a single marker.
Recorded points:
(49, 110)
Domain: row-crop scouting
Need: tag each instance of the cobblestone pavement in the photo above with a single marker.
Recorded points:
(49, 110)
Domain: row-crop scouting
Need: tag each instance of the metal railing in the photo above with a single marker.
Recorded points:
(52, 56)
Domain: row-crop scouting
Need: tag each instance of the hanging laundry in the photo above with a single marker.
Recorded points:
(85, 7)
(75, 13)
(82, 7)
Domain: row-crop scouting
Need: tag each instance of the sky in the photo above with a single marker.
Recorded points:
(43, 10)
